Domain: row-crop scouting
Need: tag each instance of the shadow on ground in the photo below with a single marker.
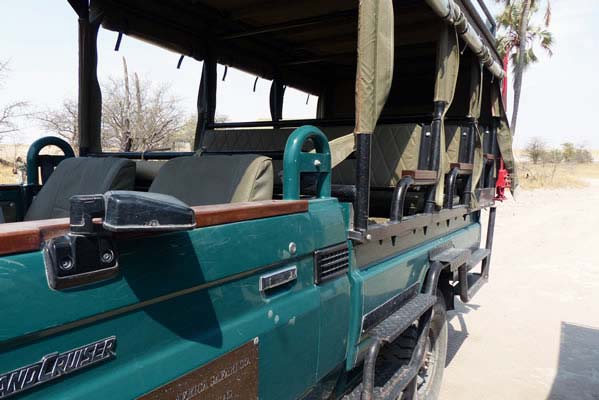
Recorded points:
(456, 338)
(577, 375)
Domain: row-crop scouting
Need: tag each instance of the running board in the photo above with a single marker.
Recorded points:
(418, 309)
(390, 329)
(477, 257)
(460, 262)
(470, 283)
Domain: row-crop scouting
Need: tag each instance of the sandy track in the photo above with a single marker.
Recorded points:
(533, 331)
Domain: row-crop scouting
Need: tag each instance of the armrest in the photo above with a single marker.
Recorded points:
(421, 176)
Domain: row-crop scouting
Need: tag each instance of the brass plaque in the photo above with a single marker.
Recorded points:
(232, 376)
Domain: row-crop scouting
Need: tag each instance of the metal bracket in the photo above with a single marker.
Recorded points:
(85, 255)
(75, 260)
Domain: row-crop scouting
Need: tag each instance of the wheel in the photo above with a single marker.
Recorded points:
(428, 380)
(430, 376)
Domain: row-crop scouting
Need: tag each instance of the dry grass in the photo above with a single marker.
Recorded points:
(6, 175)
(556, 176)
(8, 153)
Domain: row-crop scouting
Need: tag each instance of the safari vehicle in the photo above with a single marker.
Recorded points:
(282, 259)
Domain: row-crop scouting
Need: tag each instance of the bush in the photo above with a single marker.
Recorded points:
(536, 149)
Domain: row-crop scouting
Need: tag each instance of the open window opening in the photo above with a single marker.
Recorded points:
(146, 106)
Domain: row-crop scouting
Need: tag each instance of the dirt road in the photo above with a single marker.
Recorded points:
(533, 331)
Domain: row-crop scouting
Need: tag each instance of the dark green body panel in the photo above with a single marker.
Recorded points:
(184, 299)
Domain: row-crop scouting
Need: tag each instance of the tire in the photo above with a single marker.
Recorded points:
(430, 377)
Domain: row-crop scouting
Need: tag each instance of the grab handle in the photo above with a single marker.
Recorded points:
(296, 161)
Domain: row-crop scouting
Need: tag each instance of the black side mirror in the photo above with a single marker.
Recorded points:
(147, 212)
(128, 211)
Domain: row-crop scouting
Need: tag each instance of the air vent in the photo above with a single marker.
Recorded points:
(330, 262)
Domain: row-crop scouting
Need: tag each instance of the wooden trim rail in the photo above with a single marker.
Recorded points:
(19, 237)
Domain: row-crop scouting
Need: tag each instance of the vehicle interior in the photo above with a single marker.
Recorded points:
(308, 45)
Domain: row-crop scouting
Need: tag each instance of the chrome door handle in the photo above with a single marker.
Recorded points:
(277, 278)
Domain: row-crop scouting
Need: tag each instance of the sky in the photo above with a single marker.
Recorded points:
(39, 39)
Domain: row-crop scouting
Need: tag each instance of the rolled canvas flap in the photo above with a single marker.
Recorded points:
(341, 148)
(476, 90)
(448, 65)
(375, 61)
(478, 164)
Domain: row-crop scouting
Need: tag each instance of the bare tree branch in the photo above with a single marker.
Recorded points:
(62, 122)
(9, 112)
(141, 117)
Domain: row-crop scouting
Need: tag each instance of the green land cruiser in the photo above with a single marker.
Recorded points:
(281, 259)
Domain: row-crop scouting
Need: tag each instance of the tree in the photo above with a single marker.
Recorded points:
(553, 156)
(8, 112)
(569, 152)
(63, 122)
(136, 116)
(536, 149)
(583, 155)
(187, 132)
(518, 39)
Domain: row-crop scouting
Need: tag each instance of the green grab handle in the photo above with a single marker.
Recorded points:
(296, 161)
(34, 151)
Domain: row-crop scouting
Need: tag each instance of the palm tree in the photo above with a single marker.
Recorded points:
(514, 23)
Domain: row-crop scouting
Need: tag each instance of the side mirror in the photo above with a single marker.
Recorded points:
(128, 211)
(146, 212)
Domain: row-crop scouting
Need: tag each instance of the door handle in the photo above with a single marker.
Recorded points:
(277, 279)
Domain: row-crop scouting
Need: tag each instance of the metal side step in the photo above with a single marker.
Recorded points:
(391, 381)
(452, 257)
(477, 257)
(475, 282)
(390, 329)
(386, 332)
(470, 283)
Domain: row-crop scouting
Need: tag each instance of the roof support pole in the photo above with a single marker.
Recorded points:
(206, 100)
(362, 205)
(90, 95)
(277, 92)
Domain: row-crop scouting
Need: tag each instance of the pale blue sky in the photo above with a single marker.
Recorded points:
(39, 38)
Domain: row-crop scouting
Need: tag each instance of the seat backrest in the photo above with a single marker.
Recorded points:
(77, 176)
(453, 141)
(254, 140)
(261, 140)
(216, 179)
(394, 148)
